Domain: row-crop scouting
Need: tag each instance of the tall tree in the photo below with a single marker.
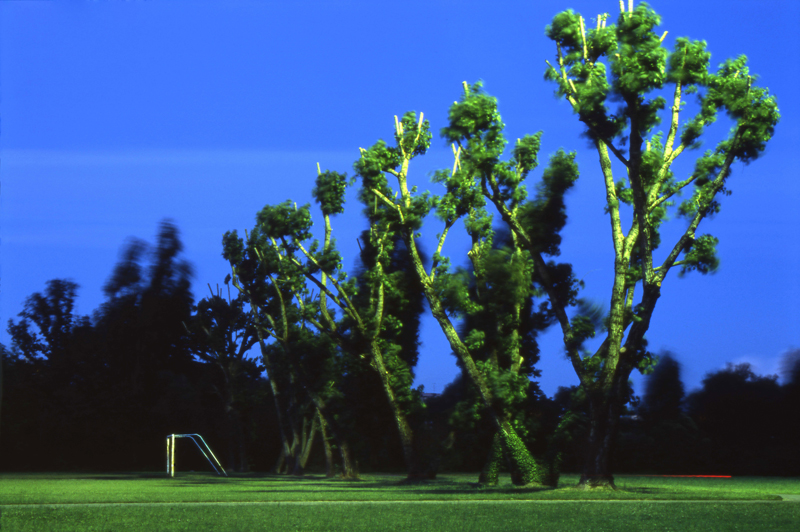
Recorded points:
(627, 63)
(153, 383)
(502, 315)
(222, 333)
(275, 251)
(259, 276)
(142, 318)
(446, 292)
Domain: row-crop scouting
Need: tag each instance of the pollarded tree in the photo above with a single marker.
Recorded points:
(261, 277)
(281, 246)
(502, 318)
(627, 64)
(508, 274)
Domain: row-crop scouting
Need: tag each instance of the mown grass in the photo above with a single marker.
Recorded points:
(150, 501)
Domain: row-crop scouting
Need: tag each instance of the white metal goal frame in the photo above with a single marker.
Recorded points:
(171, 453)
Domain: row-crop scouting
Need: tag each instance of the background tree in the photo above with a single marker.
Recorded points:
(790, 404)
(50, 375)
(627, 63)
(71, 399)
(222, 334)
(670, 435)
(739, 412)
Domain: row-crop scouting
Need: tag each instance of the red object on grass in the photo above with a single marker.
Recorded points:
(689, 476)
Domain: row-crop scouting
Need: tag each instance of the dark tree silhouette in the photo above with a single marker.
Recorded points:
(739, 411)
(221, 333)
(664, 392)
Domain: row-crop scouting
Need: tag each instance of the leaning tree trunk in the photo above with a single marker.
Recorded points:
(329, 431)
(491, 470)
(308, 438)
(406, 434)
(287, 425)
(326, 443)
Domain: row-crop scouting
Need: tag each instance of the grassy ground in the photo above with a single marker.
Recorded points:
(200, 501)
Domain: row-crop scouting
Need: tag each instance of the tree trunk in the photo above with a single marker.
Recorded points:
(349, 467)
(237, 459)
(329, 429)
(491, 470)
(294, 465)
(281, 463)
(604, 411)
(329, 469)
(308, 439)
(286, 421)
(406, 435)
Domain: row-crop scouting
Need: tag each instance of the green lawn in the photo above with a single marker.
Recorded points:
(201, 501)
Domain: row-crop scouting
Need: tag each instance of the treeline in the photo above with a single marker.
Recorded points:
(737, 423)
(102, 392)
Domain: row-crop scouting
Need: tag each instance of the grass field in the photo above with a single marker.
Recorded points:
(201, 501)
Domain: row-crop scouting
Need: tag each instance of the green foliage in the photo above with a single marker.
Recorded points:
(285, 220)
(701, 255)
(329, 192)
(545, 216)
(641, 61)
(416, 137)
(688, 63)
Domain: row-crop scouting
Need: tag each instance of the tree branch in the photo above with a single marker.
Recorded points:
(390, 203)
(717, 185)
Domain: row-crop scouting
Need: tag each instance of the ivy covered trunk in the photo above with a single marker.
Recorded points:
(406, 434)
(522, 465)
(491, 470)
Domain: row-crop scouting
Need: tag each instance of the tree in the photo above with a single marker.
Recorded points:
(503, 316)
(152, 382)
(50, 374)
(627, 63)
(740, 412)
(507, 273)
(222, 334)
(146, 307)
(673, 440)
(790, 431)
(275, 251)
(52, 314)
(664, 393)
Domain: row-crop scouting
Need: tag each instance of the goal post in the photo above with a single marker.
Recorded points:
(171, 453)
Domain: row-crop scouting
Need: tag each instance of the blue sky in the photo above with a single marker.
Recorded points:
(116, 115)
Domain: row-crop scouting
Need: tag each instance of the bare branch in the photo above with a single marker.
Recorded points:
(439, 247)
(419, 128)
(456, 163)
(583, 39)
(389, 202)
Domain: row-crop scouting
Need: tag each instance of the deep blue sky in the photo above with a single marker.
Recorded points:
(116, 115)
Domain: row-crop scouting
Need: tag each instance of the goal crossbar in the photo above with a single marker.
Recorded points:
(171, 453)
